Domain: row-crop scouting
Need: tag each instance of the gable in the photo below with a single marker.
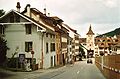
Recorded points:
(16, 17)
(12, 17)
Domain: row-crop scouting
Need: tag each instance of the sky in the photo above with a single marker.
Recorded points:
(103, 15)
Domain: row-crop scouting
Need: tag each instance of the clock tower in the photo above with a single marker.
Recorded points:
(90, 42)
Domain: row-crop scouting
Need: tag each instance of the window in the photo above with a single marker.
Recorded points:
(115, 49)
(103, 40)
(2, 30)
(53, 36)
(50, 35)
(28, 29)
(102, 43)
(46, 47)
(108, 40)
(116, 40)
(70, 42)
(28, 46)
(70, 49)
(84, 44)
(52, 46)
(46, 34)
(98, 40)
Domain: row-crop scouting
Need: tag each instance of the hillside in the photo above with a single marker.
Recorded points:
(111, 33)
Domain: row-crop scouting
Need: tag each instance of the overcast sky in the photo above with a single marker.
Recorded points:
(103, 15)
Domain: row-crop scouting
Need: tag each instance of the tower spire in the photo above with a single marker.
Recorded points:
(90, 32)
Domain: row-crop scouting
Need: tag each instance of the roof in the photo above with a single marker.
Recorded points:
(25, 17)
(82, 40)
(57, 18)
(90, 32)
(45, 19)
(70, 28)
(51, 21)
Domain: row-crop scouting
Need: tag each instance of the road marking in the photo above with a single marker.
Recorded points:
(78, 72)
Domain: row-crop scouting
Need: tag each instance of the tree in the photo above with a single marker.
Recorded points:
(3, 46)
(2, 12)
(3, 50)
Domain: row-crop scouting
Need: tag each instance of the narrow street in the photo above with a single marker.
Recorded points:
(80, 70)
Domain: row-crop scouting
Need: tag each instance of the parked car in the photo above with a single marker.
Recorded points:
(89, 61)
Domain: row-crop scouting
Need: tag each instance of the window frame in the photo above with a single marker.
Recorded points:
(46, 34)
(28, 46)
(28, 29)
(52, 47)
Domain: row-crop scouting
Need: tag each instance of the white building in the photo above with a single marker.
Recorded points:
(49, 54)
(22, 33)
(28, 32)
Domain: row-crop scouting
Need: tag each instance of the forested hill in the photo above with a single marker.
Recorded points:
(111, 33)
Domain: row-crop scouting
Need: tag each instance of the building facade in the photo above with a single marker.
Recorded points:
(90, 42)
(22, 33)
(49, 52)
(43, 39)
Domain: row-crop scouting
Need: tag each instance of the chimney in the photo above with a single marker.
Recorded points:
(28, 10)
(18, 6)
(44, 11)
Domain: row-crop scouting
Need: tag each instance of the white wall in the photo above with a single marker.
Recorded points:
(47, 56)
(16, 36)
